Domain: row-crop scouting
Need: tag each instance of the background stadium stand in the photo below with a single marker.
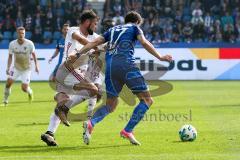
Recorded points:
(175, 21)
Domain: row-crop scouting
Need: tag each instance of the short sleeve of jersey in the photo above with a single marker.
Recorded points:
(57, 45)
(11, 48)
(32, 46)
(106, 35)
(70, 32)
(138, 31)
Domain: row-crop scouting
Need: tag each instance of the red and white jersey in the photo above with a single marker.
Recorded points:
(72, 46)
(94, 72)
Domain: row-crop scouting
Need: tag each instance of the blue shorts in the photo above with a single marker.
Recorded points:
(117, 75)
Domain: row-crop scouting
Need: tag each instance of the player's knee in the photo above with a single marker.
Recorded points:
(94, 91)
(24, 88)
(148, 101)
(111, 108)
(9, 83)
(61, 98)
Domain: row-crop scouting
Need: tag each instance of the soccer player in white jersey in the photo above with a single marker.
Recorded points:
(76, 80)
(22, 50)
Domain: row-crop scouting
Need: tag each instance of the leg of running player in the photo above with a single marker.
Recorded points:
(7, 90)
(70, 102)
(138, 113)
(99, 115)
(26, 88)
(25, 77)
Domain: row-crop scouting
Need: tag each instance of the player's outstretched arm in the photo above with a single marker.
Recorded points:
(98, 41)
(150, 48)
(54, 55)
(80, 38)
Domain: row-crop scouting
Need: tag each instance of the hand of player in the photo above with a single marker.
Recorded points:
(37, 70)
(167, 58)
(50, 60)
(7, 72)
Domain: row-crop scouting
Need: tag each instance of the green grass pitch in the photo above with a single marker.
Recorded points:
(212, 107)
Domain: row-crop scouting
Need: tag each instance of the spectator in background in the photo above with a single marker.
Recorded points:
(178, 16)
(37, 35)
(226, 20)
(118, 19)
(201, 13)
(177, 32)
(58, 22)
(59, 10)
(28, 22)
(38, 20)
(208, 22)
(218, 36)
(197, 16)
(117, 7)
(195, 4)
(187, 32)
(228, 34)
(19, 20)
(237, 26)
(197, 23)
(8, 24)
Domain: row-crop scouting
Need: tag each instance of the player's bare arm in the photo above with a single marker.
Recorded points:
(81, 39)
(149, 47)
(9, 63)
(55, 54)
(98, 41)
(90, 45)
(35, 62)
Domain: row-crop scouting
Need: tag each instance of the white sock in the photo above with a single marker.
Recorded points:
(7, 92)
(29, 90)
(75, 100)
(91, 104)
(54, 123)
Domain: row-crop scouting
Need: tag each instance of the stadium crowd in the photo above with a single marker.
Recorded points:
(182, 20)
(164, 20)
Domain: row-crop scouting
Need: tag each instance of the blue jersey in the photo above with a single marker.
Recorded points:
(60, 46)
(121, 40)
(120, 67)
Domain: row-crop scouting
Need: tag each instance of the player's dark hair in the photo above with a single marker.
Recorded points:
(66, 25)
(20, 28)
(133, 17)
(88, 14)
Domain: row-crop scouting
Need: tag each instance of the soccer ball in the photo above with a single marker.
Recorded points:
(187, 133)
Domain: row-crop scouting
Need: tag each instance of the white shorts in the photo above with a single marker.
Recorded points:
(24, 76)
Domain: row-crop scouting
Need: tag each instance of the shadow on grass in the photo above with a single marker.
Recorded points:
(26, 102)
(177, 141)
(225, 105)
(31, 124)
(41, 148)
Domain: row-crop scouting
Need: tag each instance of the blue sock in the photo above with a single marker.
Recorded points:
(100, 114)
(137, 115)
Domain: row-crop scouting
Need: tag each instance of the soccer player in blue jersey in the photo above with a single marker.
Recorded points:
(59, 50)
(121, 69)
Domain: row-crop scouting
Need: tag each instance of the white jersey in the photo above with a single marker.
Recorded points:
(71, 48)
(22, 54)
(94, 73)
(72, 45)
